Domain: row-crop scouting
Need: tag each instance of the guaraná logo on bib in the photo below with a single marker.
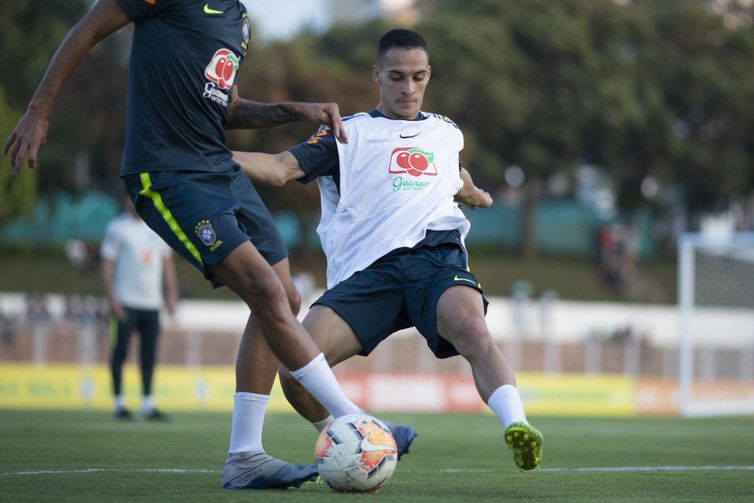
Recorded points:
(416, 163)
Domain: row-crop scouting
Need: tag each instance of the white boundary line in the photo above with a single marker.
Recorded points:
(601, 469)
(109, 470)
(615, 469)
(611, 469)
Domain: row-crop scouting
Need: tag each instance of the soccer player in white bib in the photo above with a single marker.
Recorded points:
(135, 263)
(393, 235)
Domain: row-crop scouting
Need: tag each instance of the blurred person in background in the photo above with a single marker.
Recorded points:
(135, 262)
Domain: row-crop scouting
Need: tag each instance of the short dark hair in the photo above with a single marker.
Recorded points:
(402, 39)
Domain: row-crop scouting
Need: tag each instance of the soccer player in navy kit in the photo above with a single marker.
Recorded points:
(187, 188)
(393, 237)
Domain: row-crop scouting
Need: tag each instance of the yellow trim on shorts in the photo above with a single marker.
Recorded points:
(113, 330)
(147, 191)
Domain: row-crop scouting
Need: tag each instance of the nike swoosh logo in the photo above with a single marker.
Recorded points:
(211, 12)
(368, 446)
(411, 136)
(467, 280)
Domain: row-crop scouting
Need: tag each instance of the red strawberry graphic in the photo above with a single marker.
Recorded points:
(418, 161)
(228, 70)
(220, 66)
(224, 70)
(414, 161)
(402, 160)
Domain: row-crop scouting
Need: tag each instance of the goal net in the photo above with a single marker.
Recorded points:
(716, 307)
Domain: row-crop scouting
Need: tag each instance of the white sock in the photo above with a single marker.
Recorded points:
(248, 419)
(119, 404)
(147, 404)
(318, 379)
(506, 403)
(321, 425)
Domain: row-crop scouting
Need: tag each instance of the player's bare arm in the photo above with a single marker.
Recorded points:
(269, 169)
(108, 278)
(471, 195)
(30, 133)
(247, 114)
(171, 283)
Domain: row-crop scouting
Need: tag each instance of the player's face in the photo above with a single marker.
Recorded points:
(402, 76)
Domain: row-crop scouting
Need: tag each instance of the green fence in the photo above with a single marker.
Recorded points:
(562, 227)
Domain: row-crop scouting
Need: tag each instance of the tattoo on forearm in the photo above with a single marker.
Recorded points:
(253, 115)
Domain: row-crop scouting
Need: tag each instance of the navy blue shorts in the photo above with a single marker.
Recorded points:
(206, 215)
(401, 290)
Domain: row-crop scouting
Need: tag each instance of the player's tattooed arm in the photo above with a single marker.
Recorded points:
(247, 114)
(471, 195)
(269, 169)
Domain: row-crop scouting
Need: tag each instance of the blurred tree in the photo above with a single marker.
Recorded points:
(86, 127)
(643, 87)
(704, 66)
(648, 86)
(30, 32)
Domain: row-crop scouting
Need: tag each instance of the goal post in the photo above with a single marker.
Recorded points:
(716, 325)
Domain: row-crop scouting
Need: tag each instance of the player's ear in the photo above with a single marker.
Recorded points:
(376, 74)
(429, 72)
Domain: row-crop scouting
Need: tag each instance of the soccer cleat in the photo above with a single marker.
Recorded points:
(526, 442)
(404, 436)
(155, 415)
(245, 470)
(123, 414)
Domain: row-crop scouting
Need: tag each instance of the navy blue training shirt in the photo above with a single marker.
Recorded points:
(184, 61)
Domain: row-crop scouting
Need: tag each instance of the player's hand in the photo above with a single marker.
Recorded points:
(483, 199)
(24, 142)
(478, 198)
(325, 113)
(170, 305)
(118, 310)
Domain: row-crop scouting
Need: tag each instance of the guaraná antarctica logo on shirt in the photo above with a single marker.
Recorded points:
(221, 74)
(206, 233)
(416, 163)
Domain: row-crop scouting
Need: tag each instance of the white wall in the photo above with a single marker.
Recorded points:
(562, 321)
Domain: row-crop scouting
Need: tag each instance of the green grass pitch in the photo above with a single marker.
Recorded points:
(87, 456)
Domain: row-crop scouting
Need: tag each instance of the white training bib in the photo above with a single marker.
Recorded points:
(397, 181)
(138, 254)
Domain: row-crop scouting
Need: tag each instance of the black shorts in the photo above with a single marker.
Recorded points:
(400, 291)
(206, 215)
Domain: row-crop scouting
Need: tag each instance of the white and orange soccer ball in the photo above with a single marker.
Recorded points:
(356, 453)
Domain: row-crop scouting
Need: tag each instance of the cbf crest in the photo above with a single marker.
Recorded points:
(245, 34)
(206, 233)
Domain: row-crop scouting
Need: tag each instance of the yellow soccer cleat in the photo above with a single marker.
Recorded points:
(526, 442)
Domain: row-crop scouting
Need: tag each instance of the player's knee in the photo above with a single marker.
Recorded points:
(474, 338)
(259, 292)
